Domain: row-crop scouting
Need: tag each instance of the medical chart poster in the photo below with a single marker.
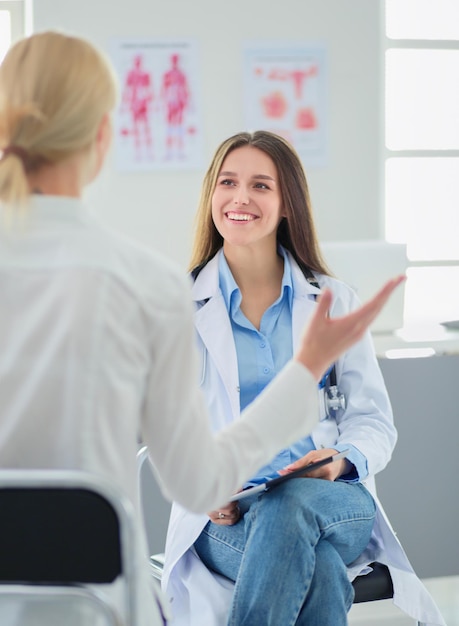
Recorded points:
(158, 119)
(285, 93)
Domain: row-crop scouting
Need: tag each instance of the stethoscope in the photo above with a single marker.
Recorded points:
(333, 398)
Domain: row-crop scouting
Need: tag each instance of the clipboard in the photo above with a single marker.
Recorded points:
(301, 471)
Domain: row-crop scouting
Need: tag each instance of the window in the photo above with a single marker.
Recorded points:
(422, 151)
(5, 31)
(12, 22)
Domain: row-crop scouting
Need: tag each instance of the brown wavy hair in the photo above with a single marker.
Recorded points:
(296, 231)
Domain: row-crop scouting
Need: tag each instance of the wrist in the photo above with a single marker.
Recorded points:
(311, 365)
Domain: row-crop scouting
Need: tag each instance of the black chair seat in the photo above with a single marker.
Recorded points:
(377, 585)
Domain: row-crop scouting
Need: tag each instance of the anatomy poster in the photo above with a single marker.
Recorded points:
(285, 92)
(158, 120)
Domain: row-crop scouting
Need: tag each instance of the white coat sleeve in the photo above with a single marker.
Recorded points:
(194, 467)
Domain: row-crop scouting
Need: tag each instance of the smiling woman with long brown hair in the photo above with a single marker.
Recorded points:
(285, 556)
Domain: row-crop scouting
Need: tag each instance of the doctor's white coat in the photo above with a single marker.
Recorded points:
(201, 598)
(97, 349)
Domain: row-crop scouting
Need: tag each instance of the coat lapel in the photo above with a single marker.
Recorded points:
(214, 329)
(304, 304)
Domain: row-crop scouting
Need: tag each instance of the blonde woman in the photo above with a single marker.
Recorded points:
(97, 342)
(286, 556)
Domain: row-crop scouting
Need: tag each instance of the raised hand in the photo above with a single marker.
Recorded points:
(325, 338)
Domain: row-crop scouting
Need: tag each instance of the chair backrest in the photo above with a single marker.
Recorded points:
(62, 528)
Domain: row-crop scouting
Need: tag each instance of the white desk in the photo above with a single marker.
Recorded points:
(416, 338)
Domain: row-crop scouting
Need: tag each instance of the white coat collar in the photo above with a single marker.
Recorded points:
(206, 284)
(212, 320)
(304, 297)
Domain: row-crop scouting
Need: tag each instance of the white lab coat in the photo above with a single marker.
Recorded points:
(97, 350)
(201, 598)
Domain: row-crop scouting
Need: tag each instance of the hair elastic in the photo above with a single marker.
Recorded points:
(21, 153)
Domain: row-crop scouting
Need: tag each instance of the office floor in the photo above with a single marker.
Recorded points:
(445, 592)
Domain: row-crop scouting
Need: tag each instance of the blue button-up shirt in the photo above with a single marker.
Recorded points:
(261, 354)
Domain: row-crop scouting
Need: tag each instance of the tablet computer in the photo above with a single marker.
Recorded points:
(301, 471)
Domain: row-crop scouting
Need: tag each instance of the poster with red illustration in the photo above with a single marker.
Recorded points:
(285, 93)
(157, 123)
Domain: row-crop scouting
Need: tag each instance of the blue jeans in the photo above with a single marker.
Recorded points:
(288, 552)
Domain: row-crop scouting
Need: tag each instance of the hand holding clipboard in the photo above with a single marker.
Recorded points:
(301, 471)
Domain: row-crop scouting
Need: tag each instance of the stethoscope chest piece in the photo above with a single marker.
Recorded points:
(334, 399)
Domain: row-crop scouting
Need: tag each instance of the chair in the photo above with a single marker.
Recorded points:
(62, 533)
(376, 585)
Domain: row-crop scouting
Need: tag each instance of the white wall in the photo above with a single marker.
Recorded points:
(158, 208)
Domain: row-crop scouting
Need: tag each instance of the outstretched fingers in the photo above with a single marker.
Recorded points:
(325, 338)
(361, 319)
(324, 302)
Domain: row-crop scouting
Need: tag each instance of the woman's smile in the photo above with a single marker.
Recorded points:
(235, 216)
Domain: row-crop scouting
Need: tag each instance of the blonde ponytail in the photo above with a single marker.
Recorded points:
(14, 188)
(54, 92)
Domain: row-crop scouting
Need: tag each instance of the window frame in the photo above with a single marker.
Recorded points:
(386, 153)
(424, 44)
(20, 11)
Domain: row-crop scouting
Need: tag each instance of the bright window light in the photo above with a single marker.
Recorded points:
(422, 142)
(431, 295)
(5, 33)
(422, 19)
(422, 99)
(422, 206)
